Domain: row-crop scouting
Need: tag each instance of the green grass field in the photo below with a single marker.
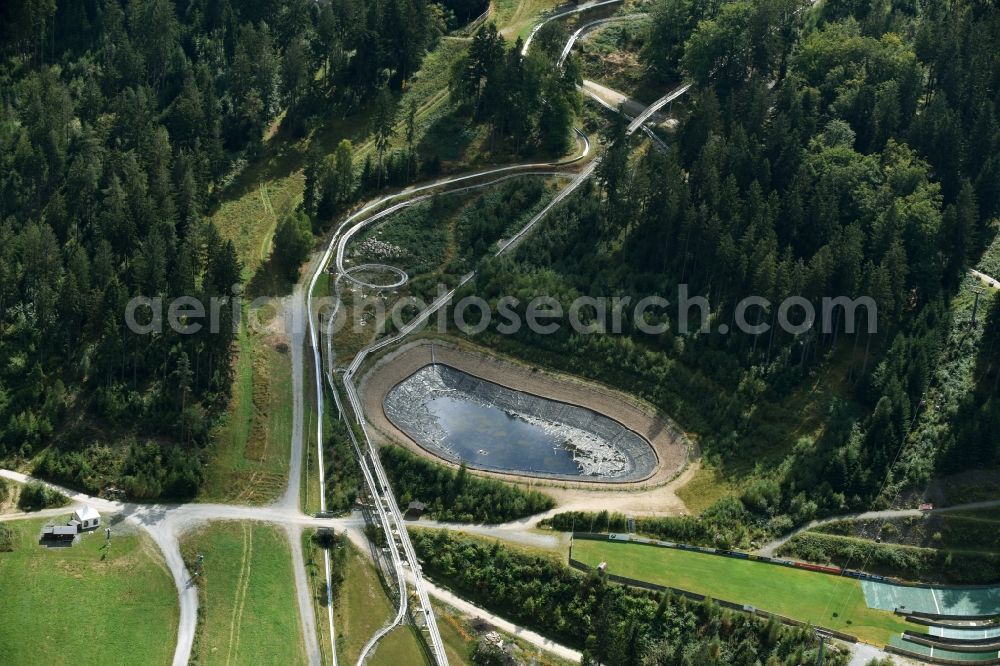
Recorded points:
(361, 607)
(833, 602)
(402, 645)
(249, 614)
(251, 455)
(77, 606)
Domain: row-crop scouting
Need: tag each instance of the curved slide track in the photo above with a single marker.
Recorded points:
(388, 514)
(563, 14)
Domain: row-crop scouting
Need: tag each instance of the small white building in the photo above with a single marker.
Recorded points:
(87, 517)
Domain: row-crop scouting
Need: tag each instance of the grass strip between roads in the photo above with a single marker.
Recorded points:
(361, 606)
(834, 602)
(249, 613)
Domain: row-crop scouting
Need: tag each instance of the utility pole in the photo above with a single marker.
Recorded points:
(975, 306)
(822, 644)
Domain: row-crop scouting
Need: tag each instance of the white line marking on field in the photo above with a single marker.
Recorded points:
(934, 597)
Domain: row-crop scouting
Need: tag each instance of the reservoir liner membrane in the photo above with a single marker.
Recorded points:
(603, 449)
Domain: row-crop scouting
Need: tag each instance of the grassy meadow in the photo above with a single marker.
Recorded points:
(85, 604)
(402, 645)
(248, 610)
(360, 608)
(251, 456)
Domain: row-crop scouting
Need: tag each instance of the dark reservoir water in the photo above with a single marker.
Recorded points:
(490, 437)
(460, 417)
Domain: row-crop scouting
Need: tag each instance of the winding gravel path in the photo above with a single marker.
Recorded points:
(991, 281)
(772, 547)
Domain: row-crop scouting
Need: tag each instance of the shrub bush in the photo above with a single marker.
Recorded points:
(36, 496)
(455, 494)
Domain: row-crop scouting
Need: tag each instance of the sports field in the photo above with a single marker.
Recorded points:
(833, 602)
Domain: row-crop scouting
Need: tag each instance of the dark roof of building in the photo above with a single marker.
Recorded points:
(59, 530)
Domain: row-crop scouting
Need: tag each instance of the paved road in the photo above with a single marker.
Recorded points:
(44, 513)
(289, 501)
(304, 596)
(165, 522)
(295, 326)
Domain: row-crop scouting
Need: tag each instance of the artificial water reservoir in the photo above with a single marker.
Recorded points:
(460, 417)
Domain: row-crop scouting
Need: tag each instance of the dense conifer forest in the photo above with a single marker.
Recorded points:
(121, 123)
(853, 149)
(823, 149)
(456, 495)
(854, 152)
